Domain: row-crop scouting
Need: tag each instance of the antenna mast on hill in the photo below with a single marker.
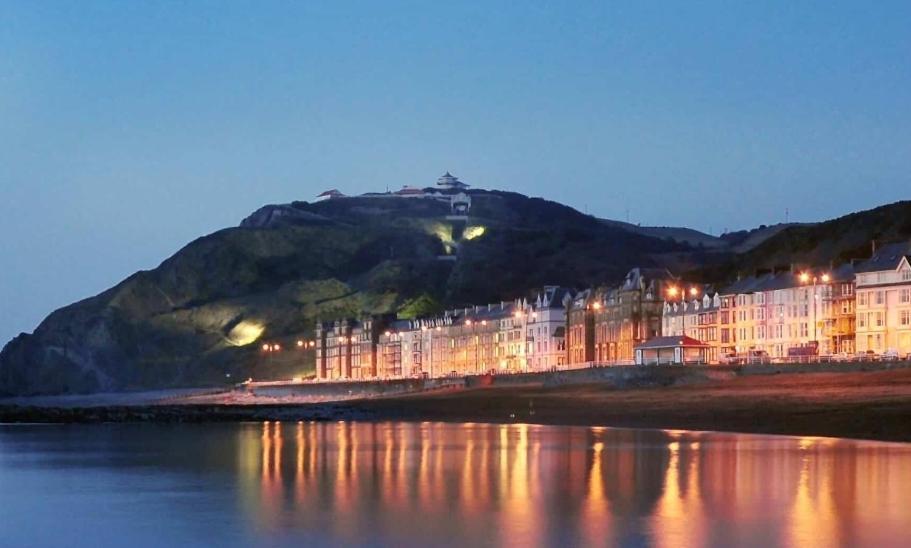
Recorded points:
(787, 215)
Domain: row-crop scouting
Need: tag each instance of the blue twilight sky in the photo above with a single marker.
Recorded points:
(129, 128)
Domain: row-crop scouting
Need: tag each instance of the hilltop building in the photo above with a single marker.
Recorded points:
(329, 195)
(450, 182)
(410, 192)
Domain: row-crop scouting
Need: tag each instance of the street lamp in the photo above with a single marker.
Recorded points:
(271, 349)
(805, 277)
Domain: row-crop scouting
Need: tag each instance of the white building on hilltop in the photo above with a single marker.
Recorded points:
(450, 182)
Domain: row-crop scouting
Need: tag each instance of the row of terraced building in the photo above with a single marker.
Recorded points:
(652, 316)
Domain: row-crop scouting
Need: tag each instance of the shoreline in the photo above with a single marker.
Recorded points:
(869, 405)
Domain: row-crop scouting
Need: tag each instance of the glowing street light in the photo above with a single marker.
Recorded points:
(672, 291)
(805, 278)
(596, 306)
(300, 344)
(694, 291)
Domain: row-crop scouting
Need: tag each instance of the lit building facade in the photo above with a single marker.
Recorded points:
(628, 315)
(516, 336)
(883, 311)
(784, 315)
(703, 319)
(580, 328)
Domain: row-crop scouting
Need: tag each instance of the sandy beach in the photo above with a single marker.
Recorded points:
(867, 405)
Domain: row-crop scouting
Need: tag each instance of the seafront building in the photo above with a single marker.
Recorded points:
(517, 336)
(778, 315)
(706, 319)
(605, 324)
(650, 317)
(884, 301)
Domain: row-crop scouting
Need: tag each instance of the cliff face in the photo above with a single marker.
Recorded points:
(201, 316)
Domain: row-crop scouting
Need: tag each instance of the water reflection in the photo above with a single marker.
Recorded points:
(431, 484)
(531, 485)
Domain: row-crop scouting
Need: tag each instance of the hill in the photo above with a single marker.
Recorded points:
(837, 241)
(201, 316)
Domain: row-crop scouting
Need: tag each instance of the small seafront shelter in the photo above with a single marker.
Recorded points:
(680, 350)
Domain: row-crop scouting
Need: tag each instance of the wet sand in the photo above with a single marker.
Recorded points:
(868, 405)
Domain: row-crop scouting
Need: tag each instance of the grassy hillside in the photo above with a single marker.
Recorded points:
(202, 315)
(836, 241)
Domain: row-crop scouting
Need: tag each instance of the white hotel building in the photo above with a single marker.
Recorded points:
(884, 301)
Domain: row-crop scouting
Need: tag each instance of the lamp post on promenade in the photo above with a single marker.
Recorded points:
(807, 278)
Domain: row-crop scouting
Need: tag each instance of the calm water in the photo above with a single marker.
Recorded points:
(436, 484)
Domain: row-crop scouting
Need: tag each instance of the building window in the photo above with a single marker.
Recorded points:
(904, 296)
(862, 298)
(906, 275)
(905, 317)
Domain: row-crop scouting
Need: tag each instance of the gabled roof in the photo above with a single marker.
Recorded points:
(637, 277)
(887, 258)
(672, 342)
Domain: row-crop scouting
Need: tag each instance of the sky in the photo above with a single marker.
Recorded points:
(127, 129)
